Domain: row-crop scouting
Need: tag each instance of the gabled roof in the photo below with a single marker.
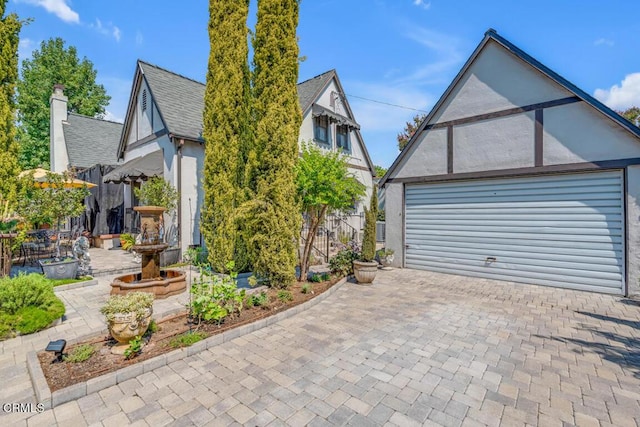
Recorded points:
(492, 35)
(91, 141)
(180, 100)
(310, 90)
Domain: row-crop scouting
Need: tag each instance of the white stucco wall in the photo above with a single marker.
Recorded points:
(58, 157)
(496, 81)
(394, 221)
(576, 133)
(501, 143)
(192, 193)
(633, 229)
(427, 157)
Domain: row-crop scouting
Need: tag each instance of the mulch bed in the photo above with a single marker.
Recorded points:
(60, 375)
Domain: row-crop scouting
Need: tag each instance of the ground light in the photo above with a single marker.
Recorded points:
(57, 347)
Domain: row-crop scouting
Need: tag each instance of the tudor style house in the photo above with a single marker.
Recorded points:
(516, 174)
(162, 135)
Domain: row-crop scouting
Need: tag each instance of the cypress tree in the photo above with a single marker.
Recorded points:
(226, 130)
(9, 30)
(274, 219)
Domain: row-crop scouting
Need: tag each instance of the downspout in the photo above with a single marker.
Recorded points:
(179, 187)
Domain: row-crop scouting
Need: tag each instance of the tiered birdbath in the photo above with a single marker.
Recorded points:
(161, 283)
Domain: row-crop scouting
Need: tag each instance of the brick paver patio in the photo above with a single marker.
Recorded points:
(416, 348)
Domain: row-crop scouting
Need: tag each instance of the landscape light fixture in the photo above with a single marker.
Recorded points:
(57, 347)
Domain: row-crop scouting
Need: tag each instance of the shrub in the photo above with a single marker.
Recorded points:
(306, 288)
(326, 276)
(80, 353)
(341, 264)
(285, 295)
(127, 241)
(369, 239)
(187, 339)
(214, 297)
(316, 278)
(158, 192)
(27, 304)
(260, 300)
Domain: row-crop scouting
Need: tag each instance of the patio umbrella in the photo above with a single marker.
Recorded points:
(41, 181)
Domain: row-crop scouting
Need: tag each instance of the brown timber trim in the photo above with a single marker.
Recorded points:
(449, 149)
(504, 173)
(146, 139)
(504, 113)
(538, 137)
(362, 168)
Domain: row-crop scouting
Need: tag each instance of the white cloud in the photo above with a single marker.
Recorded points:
(106, 30)
(603, 42)
(621, 96)
(108, 115)
(25, 48)
(423, 4)
(139, 38)
(60, 8)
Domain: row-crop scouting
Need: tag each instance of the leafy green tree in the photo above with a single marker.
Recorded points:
(53, 64)
(9, 30)
(409, 129)
(274, 218)
(632, 114)
(52, 200)
(324, 185)
(226, 132)
(380, 171)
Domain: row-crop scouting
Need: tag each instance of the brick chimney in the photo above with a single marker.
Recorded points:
(58, 156)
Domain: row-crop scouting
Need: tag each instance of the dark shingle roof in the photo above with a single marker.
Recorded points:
(310, 89)
(91, 141)
(180, 99)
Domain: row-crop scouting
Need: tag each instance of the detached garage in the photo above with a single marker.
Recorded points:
(518, 175)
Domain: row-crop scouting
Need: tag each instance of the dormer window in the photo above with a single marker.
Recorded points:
(342, 138)
(144, 100)
(321, 129)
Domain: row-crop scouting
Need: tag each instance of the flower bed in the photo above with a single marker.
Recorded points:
(170, 335)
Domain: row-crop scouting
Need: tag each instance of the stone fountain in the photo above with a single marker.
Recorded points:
(161, 283)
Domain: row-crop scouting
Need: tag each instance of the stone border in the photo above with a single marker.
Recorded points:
(84, 283)
(50, 400)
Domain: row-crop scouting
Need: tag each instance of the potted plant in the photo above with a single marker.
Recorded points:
(56, 197)
(128, 316)
(366, 268)
(127, 241)
(385, 257)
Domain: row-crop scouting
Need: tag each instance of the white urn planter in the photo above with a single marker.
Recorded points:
(365, 272)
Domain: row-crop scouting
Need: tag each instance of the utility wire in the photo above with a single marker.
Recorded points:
(385, 103)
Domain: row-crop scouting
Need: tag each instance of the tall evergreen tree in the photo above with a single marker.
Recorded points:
(53, 63)
(226, 131)
(9, 30)
(275, 218)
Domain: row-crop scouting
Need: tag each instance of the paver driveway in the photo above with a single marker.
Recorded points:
(415, 348)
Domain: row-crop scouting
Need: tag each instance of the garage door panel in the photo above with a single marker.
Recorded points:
(539, 281)
(565, 229)
(513, 259)
(557, 276)
(595, 261)
(537, 243)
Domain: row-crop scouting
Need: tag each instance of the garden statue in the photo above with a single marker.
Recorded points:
(81, 252)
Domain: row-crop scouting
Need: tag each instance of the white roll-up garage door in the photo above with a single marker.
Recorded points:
(562, 230)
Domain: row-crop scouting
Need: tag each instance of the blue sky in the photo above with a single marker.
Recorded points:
(401, 52)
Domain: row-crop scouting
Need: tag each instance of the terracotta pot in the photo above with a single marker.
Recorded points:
(125, 327)
(365, 272)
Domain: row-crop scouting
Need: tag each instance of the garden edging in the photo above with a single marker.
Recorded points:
(52, 399)
(90, 282)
